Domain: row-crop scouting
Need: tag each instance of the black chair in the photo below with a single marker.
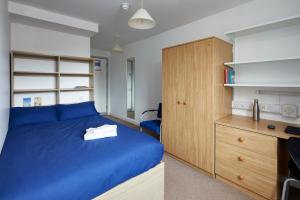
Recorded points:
(293, 178)
(155, 124)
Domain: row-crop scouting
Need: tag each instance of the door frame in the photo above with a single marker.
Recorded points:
(131, 59)
(107, 81)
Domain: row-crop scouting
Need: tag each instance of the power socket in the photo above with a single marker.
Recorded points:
(288, 110)
(242, 105)
(272, 108)
(264, 107)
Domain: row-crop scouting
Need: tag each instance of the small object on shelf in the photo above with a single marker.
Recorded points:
(229, 76)
(256, 111)
(26, 101)
(37, 101)
(271, 126)
(226, 75)
(292, 130)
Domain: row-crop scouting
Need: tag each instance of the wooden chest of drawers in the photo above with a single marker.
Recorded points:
(247, 159)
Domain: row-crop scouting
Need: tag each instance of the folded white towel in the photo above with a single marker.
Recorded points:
(101, 132)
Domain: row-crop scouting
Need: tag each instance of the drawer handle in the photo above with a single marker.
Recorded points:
(240, 177)
(241, 139)
(241, 158)
(184, 103)
(178, 102)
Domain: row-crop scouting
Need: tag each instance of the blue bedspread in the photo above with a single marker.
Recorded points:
(52, 161)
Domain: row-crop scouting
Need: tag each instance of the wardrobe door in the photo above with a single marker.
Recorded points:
(188, 142)
(199, 105)
(173, 95)
(169, 99)
(182, 137)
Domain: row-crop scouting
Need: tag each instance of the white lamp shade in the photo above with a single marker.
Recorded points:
(117, 48)
(141, 20)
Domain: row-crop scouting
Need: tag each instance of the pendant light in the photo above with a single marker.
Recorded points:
(141, 19)
(117, 48)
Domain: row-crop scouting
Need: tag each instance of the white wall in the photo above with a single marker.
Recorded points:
(40, 40)
(4, 70)
(46, 41)
(100, 53)
(148, 52)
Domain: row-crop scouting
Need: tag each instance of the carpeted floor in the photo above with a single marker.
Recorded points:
(185, 183)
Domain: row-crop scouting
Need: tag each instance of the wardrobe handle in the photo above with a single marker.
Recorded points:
(178, 102)
(241, 158)
(241, 140)
(240, 177)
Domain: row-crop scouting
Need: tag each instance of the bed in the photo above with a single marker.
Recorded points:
(50, 160)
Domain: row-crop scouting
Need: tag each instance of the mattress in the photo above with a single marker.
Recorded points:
(52, 161)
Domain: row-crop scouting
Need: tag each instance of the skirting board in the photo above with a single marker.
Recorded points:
(147, 186)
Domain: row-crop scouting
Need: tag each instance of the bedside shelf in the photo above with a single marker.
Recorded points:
(75, 89)
(267, 85)
(32, 55)
(76, 74)
(50, 71)
(29, 73)
(78, 59)
(233, 64)
(34, 90)
(290, 21)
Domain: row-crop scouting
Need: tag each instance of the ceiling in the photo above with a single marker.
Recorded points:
(113, 21)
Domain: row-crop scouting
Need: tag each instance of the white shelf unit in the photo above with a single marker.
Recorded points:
(255, 66)
(265, 85)
(289, 21)
(239, 63)
(55, 75)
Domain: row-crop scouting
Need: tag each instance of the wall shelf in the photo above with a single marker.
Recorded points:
(46, 56)
(76, 74)
(78, 59)
(34, 90)
(29, 73)
(265, 85)
(75, 89)
(290, 21)
(233, 64)
(51, 90)
(22, 54)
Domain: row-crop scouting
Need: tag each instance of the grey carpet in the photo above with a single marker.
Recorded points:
(185, 183)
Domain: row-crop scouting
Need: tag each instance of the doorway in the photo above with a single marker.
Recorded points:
(130, 76)
(101, 84)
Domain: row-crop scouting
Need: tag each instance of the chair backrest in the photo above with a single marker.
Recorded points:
(294, 150)
(159, 111)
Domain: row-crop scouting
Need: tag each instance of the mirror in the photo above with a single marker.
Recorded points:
(130, 74)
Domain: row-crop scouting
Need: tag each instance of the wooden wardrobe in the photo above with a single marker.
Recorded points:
(193, 96)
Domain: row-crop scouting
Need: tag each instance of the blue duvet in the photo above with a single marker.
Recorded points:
(52, 161)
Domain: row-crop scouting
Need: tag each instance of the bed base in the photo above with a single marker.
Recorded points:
(147, 186)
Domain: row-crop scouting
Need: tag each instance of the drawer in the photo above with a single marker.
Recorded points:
(255, 142)
(247, 179)
(233, 156)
